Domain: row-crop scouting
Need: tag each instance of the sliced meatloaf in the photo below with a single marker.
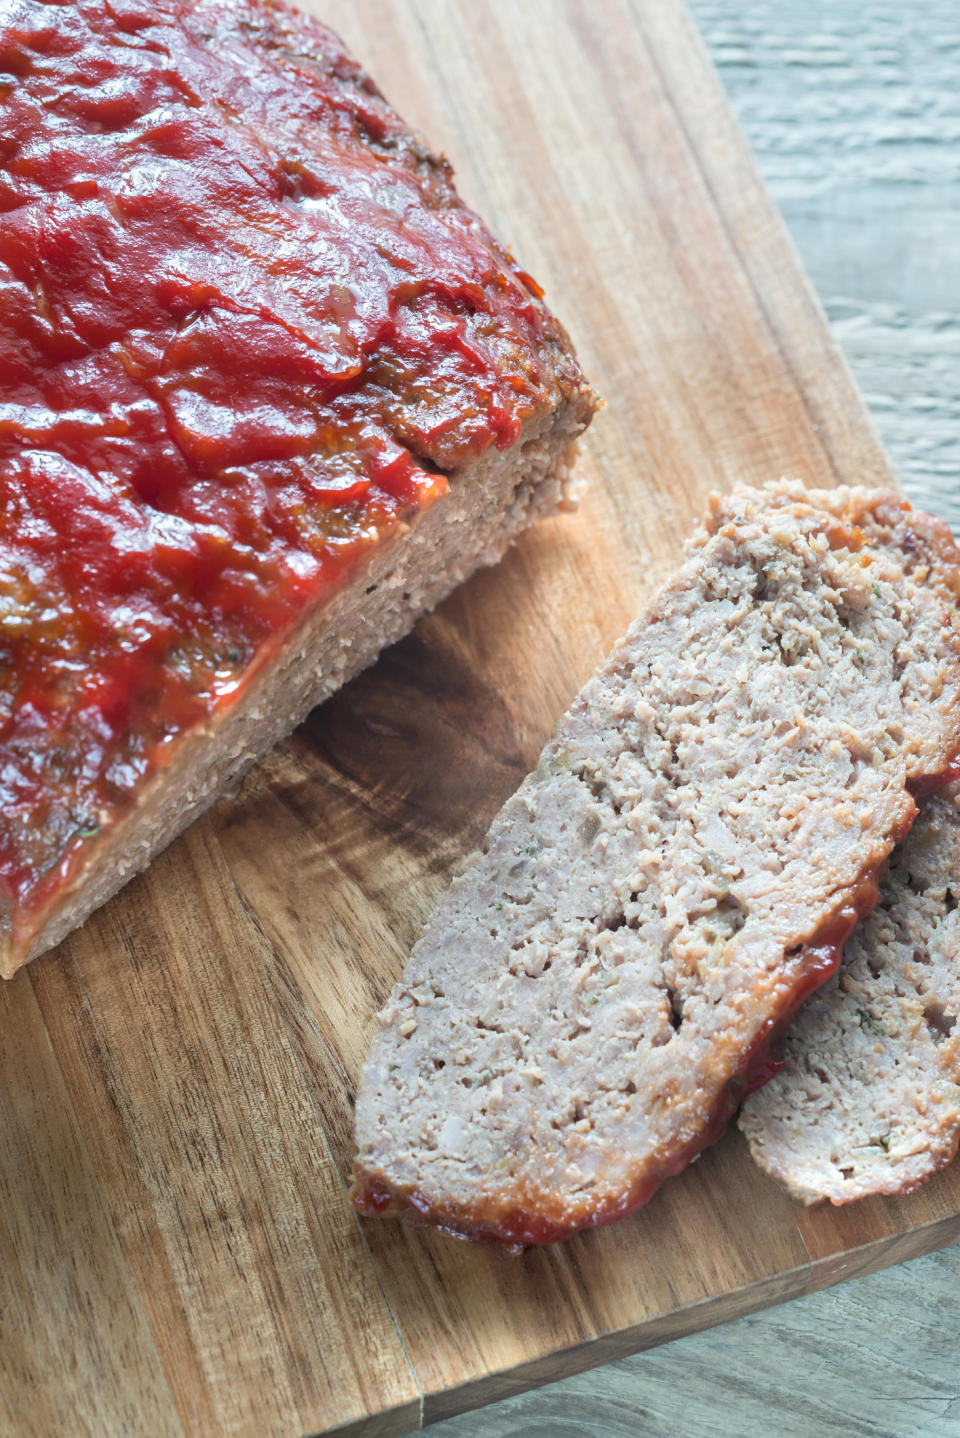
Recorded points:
(921, 543)
(584, 1009)
(270, 391)
(868, 1099)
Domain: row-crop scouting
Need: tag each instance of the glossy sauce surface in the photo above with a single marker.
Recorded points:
(246, 328)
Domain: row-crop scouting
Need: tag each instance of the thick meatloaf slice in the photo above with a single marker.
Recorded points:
(583, 1012)
(921, 543)
(270, 391)
(868, 1099)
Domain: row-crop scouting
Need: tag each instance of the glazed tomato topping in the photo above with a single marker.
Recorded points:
(246, 327)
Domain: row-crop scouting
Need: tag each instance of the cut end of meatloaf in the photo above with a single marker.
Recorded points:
(583, 1011)
(868, 1099)
(486, 509)
(314, 396)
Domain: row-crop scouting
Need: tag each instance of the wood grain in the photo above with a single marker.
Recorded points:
(195, 1046)
(212, 1161)
(853, 113)
(876, 1358)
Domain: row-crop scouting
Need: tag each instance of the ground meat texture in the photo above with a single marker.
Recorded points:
(868, 1099)
(921, 543)
(584, 1008)
(268, 391)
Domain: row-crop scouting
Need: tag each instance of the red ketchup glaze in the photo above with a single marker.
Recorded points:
(930, 783)
(245, 328)
(519, 1226)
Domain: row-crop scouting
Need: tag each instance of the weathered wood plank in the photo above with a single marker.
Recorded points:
(206, 1029)
(853, 114)
(876, 1358)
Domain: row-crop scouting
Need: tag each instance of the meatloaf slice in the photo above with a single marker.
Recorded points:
(921, 543)
(868, 1099)
(583, 1011)
(270, 391)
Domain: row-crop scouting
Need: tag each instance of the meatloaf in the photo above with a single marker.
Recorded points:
(269, 392)
(920, 543)
(868, 1099)
(593, 996)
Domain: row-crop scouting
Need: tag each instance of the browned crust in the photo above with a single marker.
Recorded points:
(561, 405)
(488, 505)
(516, 1218)
(517, 1215)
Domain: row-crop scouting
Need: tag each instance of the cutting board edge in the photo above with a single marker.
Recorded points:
(818, 1274)
(388, 1423)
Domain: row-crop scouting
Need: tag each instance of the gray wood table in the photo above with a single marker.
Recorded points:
(853, 112)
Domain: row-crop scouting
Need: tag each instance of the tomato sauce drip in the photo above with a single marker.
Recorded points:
(929, 784)
(246, 329)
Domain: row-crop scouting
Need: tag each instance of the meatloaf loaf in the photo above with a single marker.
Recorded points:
(868, 1099)
(269, 392)
(589, 1002)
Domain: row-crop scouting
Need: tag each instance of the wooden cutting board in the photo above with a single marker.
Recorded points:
(177, 1254)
